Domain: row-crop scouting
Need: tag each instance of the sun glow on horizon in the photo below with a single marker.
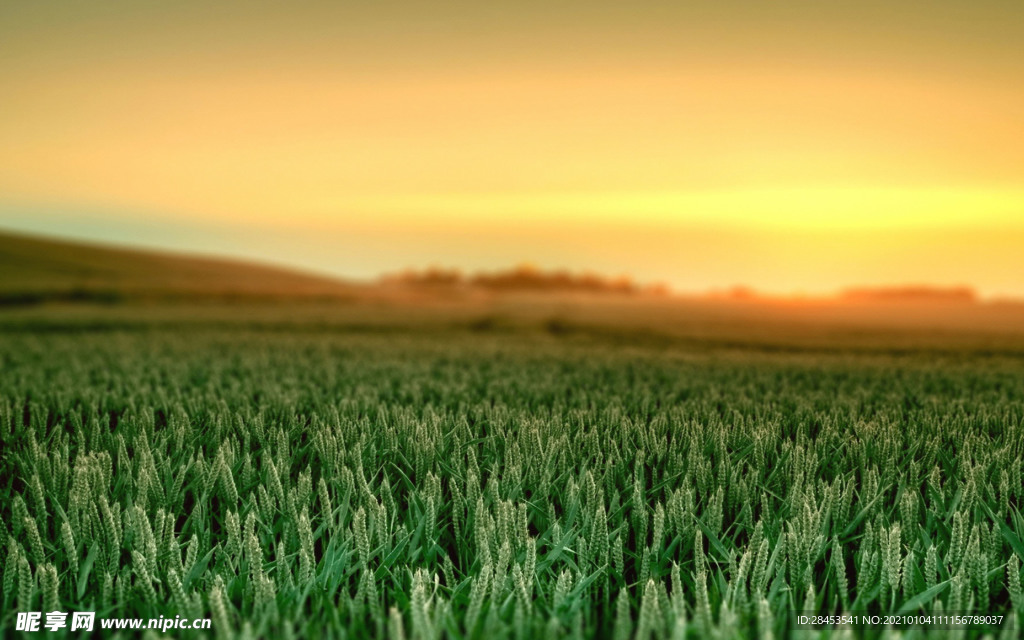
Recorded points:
(811, 208)
(805, 147)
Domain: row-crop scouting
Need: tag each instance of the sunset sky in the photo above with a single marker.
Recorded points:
(793, 147)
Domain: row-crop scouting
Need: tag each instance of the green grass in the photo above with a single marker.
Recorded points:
(502, 484)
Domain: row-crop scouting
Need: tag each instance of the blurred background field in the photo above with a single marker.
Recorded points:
(46, 283)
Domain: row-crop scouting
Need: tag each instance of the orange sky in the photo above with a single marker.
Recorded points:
(795, 149)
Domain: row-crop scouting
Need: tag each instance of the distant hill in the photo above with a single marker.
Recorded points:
(919, 293)
(34, 269)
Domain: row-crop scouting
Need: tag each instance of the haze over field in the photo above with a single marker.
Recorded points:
(46, 283)
(793, 149)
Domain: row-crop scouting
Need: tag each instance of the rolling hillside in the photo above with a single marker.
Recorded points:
(34, 269)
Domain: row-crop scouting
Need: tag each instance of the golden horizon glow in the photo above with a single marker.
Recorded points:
(797, 209)
(516, 129)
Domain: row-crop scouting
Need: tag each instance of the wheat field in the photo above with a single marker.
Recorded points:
(373, 483)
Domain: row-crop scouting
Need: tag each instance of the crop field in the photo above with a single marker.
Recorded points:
(373, 483)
